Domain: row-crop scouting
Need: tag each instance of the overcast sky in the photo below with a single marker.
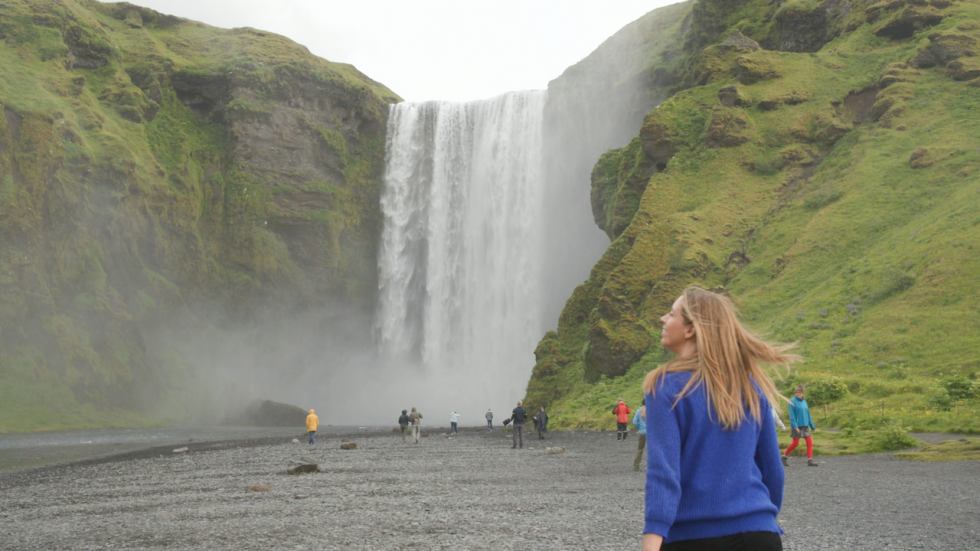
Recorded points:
(457, 50)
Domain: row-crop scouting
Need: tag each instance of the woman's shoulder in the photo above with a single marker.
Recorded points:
(672, 382)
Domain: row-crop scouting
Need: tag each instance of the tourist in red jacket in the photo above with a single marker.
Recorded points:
(622, 413)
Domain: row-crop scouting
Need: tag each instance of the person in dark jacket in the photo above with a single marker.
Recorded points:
(541, 423)
(518, 416)
(403, 422)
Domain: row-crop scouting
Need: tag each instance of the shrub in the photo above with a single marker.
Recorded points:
(894, 436)
(818, 201)
(893, 281)
(941, 400)
(768, 164)
(826, 391)
(959, 388)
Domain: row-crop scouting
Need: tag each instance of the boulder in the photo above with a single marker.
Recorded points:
(729, 128)
(920, 158)
(944, 48)
(749, 70)
(305, 468)
(732, 96)
(736, 38)
(774, 99)
(909, 22)
(964, 69)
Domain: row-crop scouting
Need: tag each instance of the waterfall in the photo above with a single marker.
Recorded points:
(460, 262)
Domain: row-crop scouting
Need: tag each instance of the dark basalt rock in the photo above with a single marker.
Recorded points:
(944, 48)
(911, 21)
(732, 96)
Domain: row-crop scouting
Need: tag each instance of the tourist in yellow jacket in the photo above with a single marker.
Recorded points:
(312, 422)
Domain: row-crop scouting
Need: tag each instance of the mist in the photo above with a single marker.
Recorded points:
(488, 229)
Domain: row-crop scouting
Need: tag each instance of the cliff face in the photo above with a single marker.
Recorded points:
(158, 177)
(817, 163)
(595, 105)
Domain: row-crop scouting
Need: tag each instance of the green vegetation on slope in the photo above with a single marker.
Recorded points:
(148, 182)
(830, 188)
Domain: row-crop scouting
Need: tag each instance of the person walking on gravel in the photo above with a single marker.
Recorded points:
(416, 418)
(541, 423)
(640, 422)
(312, 422)
(800, 427)
(517, 417)
(622, 413)
(775, 417)
(403, 422)
(453, 419)
(714, 481)
(489, 417)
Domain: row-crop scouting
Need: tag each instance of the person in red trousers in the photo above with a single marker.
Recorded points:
(800, 426)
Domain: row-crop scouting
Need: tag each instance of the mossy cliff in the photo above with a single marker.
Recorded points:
(818, 161)
(159, 174)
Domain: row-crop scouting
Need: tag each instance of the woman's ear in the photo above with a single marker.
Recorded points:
(689, 331)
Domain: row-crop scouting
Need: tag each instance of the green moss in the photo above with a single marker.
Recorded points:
(964, 449)
(124, 206)
(817, 225)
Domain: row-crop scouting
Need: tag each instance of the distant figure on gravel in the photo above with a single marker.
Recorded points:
(800, 426)
(416, 418)
(518, 416)
(489, 417)
(775, 417)
(714, 481)
(640, 422)
(312, 422)
(403, 422)
(453, 419)
(622, 413)
(541, 423)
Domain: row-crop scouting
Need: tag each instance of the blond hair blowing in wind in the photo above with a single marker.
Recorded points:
(727, 360)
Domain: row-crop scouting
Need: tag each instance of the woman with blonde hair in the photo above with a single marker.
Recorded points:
(714, 476)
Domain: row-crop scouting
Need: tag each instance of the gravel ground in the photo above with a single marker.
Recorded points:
(467, 492)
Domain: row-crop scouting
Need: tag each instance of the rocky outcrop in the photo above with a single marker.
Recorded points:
(160, 178)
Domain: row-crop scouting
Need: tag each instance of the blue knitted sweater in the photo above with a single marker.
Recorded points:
(704, 481)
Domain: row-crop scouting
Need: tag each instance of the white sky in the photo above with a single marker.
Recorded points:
(456, 50)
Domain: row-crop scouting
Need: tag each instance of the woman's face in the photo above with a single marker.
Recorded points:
(676, 332)
(799, 394)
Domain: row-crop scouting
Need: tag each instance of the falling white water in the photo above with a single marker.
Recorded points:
(460, 261)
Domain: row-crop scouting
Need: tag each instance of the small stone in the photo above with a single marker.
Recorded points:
(295, 441)
(258, 488)
(552, 451)
(349, 446)
(299, 496)
(180, 450)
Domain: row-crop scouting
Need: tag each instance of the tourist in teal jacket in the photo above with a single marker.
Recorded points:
(640, 422)
(800, 424)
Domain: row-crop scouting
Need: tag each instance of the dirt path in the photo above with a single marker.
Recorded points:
(468, 492)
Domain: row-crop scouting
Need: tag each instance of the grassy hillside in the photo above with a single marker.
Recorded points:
(160, 179)
(827, 180)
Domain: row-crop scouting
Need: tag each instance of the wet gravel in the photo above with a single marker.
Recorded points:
(467, 492)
